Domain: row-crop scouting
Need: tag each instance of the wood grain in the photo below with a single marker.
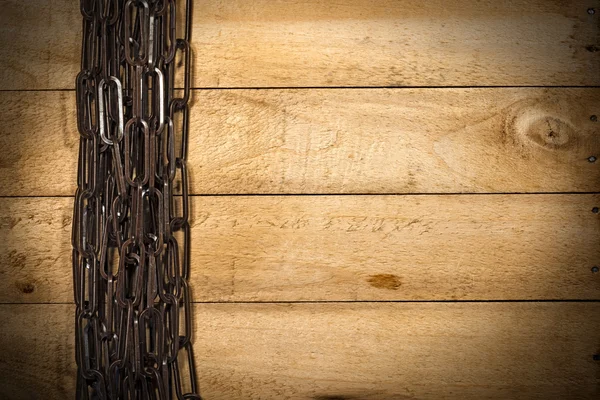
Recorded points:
(394, 43)
(38, 354)
(339, 141)
(309, 43)
(343, 351)
(35, 250)
(39, 142)
(41, 44)
(338, 248)
(395, 141)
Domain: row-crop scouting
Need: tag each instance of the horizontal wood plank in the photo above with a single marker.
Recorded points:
(38, 354)
(395, 141)
(41, 44)
(311, 43)
(394, 43)
(342, 248)
(343, 351)
(39, 142)
(339, 141)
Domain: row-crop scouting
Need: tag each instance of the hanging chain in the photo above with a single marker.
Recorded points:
(130, 273)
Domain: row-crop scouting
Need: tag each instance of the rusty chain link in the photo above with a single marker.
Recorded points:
(130, 272)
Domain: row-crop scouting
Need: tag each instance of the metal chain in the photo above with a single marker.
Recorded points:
(130, 273)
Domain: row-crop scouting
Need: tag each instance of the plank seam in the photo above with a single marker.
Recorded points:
(340, 87)
(336, 194)
(354, 301)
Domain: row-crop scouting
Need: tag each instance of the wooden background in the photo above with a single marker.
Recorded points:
(394, 199)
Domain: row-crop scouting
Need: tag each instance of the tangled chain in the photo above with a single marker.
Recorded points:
(130, 273)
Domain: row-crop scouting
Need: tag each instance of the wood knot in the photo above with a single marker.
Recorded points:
(539, 128)
(25, 287)
(385, 281)
(551, 133)
(592, 48)
(66, 221)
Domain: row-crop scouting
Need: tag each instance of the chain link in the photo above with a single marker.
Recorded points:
(130, 273)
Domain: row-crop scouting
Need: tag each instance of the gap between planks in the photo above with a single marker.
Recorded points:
(60, 196)
(349, 302)
(343, 87)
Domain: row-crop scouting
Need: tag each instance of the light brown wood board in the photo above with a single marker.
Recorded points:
(341, 248)
(292, 43)
(343, 351)
(339, 141)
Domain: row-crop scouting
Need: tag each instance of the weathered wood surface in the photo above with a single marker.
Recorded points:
(41, 44)
(38, 354)
(338, 141)
(343, 351)
(395, 141)
(395, 43)
(296, 43)
(39, 142)
(338, 248)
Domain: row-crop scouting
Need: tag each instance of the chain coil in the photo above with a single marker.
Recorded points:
(130, 272)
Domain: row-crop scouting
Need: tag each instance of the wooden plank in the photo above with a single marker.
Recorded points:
(395, 43)
(41, 44)
(309, 43)
(38, 354)
(398, 351)
(338, 248)
(339, 141)
(343, 351)
(39, 142)
(35, 250)
(395, 141)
